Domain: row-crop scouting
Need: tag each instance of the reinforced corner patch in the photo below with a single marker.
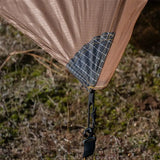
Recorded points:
(88, 62)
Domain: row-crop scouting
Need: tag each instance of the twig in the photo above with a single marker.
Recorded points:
(38, 58)
(46, 66)
(18, 52)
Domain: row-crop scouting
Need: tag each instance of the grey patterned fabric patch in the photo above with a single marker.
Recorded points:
(88, 62)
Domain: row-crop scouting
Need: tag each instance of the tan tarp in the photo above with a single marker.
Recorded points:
(130, 13)
(62, 27)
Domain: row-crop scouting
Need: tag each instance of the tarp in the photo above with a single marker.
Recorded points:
(87, 36)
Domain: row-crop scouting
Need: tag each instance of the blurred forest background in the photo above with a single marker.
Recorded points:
(43, 109)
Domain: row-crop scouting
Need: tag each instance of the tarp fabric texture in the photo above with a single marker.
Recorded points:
(87, 36)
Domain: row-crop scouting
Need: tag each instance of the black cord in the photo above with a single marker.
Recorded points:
(91, 103)
(89, 134)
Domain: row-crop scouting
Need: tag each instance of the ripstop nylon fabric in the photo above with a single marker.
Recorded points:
(88, 62)
(63, 27)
